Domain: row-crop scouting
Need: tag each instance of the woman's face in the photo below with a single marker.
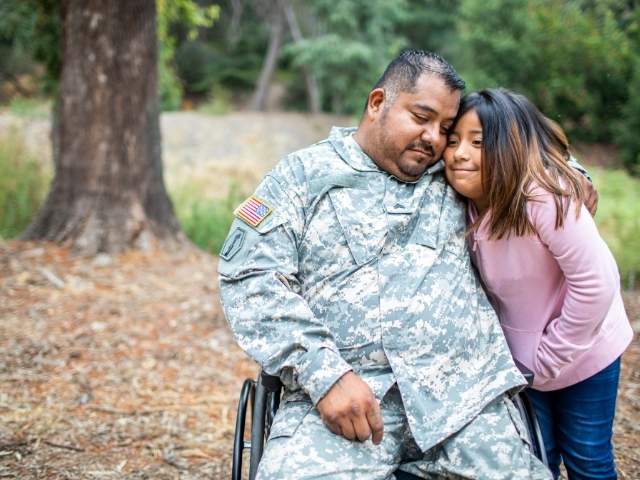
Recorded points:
(463, 159)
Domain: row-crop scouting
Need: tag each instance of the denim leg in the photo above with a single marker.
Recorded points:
(577, 424)
(543, 406)
(586, 412)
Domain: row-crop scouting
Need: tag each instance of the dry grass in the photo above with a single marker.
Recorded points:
(125, 371)
(122, 367)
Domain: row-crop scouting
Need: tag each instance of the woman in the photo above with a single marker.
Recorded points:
(551, 278)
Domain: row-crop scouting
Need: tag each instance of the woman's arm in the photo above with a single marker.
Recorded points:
(592, 281)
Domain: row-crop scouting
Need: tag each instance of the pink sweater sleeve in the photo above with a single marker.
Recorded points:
(592, 282)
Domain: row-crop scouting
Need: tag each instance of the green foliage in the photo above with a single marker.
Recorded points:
(572, 58)
(195, 64)
(218, 102)
(190, 16)
(205, 221)
(30, 107)
(618, 219)
(355, 41)
(23, 183)
(626, 133)
(30, 31)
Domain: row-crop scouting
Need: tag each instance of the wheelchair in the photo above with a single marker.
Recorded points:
(264, 396)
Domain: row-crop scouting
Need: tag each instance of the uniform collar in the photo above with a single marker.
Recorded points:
(354, 156)
(350, 151)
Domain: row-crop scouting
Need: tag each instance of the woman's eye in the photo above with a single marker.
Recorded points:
(477, 143)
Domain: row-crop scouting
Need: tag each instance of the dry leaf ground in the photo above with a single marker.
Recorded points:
(123, 367)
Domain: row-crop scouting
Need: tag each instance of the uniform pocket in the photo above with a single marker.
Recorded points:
(289, 417)
(362, 221)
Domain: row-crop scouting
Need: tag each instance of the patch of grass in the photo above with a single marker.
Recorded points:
(218, 103)
(618, 219)
(23, 185)
(30, 107)
(206, 221)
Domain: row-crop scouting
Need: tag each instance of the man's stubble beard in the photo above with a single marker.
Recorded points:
(393, 155)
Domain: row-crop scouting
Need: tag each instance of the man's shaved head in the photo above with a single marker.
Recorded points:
(404, 71)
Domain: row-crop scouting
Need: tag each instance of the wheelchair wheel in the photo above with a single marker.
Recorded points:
(239, 445)
(264, 396)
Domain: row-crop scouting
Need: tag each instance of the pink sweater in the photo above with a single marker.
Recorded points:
(557, 295)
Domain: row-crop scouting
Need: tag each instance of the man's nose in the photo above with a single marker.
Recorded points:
(431, 134)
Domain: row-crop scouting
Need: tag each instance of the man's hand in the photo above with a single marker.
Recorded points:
(590, 195)
(349, 409)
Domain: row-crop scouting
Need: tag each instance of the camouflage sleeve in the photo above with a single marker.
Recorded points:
(262, 301)
(577, 166)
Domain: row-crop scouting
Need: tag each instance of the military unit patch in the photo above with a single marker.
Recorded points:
(252, 211)
(233, 244)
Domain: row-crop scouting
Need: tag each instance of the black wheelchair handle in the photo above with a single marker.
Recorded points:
(271, 383)
(526, 373)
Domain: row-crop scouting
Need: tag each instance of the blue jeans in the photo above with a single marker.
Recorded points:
(577, 423)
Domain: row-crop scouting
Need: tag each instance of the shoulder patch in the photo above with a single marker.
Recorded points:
(233, 244)
(253, 211)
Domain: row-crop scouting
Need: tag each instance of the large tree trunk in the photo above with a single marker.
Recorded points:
(108, 193)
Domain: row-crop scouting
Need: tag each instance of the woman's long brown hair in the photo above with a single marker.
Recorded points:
(521, 149)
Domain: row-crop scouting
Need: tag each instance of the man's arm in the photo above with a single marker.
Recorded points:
(591, 194)
(273, 323)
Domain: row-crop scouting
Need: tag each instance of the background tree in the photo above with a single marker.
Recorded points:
(108, 192)
(274, 15)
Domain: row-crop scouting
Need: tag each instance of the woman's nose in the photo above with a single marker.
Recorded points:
(460, 153)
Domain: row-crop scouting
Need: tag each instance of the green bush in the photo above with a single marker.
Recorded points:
(572, 58)
(219, 101)
(23, 184)
(205, 221)
(195, 63)
(170, 90)
(618, 219)
(628, 127)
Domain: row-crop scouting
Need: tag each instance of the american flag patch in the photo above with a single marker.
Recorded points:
(252, 211)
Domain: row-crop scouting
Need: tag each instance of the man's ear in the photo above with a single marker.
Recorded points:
(375, 102)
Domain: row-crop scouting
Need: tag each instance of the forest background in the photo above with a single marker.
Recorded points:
(118, 363)
(578, 60)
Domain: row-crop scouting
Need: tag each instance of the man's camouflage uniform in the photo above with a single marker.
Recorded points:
(356, 270)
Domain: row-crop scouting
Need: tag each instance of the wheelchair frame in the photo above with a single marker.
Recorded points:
(264, 396)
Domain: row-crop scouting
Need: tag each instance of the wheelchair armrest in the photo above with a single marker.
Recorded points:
(271, 383)
(526, 373)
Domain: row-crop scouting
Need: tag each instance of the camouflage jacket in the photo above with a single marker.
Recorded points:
(349, 268)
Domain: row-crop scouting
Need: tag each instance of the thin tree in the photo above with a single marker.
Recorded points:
(108, 192)
(313, 90)
(275, 17)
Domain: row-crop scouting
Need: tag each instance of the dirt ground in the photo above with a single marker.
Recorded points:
(123, 367)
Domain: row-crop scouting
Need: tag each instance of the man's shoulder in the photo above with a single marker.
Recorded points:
(308, 163)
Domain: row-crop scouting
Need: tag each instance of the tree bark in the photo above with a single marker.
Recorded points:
(108, 192)
(259, 99)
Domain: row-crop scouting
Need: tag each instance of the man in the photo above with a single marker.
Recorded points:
(347, 275)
